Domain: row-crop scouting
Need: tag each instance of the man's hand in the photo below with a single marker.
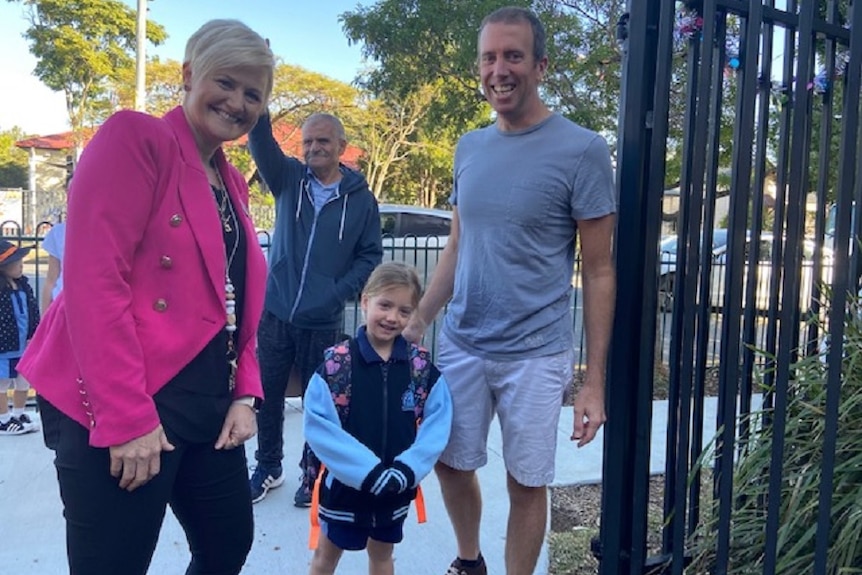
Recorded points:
(240, 425)
(139, 460)
(415, 330)
(589, 410)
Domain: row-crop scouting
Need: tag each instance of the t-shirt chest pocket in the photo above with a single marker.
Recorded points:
(529, 203)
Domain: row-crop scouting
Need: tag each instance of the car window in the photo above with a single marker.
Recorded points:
(388, 223)
(422, 225)
(765, 254)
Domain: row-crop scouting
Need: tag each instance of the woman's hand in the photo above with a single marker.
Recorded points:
(240, 425)
(139, 460)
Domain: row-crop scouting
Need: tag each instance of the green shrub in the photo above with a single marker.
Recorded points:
(804, 437)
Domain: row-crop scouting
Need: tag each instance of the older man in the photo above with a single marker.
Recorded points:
(325, 244)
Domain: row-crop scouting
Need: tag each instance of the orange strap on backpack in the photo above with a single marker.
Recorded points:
(314, 531)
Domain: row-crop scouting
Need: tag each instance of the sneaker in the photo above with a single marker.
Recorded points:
(262, 480)
(13, 427)
(456, 568)
(28, 422)
(302, 497)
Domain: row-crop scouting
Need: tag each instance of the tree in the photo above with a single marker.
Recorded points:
(164, 86)
(297, 93)
(390, 135)
(80, 44)
(14, 167)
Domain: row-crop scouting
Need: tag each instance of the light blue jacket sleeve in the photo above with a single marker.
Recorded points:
(433, 433)
(347, 459)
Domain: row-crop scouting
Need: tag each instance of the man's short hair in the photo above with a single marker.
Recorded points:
(333, 120)
(516, 15)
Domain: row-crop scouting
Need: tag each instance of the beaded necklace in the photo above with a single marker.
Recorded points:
(226, 214)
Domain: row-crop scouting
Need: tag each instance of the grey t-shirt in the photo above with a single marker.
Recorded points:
(518, 195)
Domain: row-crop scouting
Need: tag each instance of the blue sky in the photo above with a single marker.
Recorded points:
(301, 32)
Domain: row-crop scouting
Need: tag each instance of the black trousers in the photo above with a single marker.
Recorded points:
(280, 346)
(109, 530)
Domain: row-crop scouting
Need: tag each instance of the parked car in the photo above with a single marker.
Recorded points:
(667, 264)
(415, 236)
(411, 234)
(668, 271)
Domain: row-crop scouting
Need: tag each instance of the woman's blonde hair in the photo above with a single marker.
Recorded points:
(221, 44)
(391, 275)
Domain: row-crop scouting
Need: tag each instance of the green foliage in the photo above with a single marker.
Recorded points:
(297, 93)
(80, 44)
(14, 167)
(421, 42)
(164, 79)
(803, 439)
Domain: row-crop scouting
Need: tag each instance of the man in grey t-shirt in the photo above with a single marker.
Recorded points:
(524, 188)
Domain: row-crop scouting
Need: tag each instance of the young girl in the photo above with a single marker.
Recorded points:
(362, 412)
(19, 316)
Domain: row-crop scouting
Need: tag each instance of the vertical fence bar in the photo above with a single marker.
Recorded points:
(734, 278)
(790, 281)
(676, 339)
(849, 142)
(626, 448)
(752, 319)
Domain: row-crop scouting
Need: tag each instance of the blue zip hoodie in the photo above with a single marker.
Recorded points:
(317, 261)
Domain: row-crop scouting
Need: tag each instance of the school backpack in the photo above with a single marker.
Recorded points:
(337, 363)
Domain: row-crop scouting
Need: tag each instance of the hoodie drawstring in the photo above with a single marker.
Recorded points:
(343, 216)
(302, 186)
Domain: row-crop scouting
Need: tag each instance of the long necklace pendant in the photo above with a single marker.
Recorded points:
(231, 365)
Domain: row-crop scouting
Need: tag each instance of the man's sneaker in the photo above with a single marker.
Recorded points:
(302, 497)
(262, 480)
(28, 422)
(457, 568)
(13, 427)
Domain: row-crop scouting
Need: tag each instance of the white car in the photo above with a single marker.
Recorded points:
(667, 264)
(668, 271)
(415, 236)
(411, 234)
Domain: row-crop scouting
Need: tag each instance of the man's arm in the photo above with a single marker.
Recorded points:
(441, 287)
(272, 163)
(599, 284)
(47, 295)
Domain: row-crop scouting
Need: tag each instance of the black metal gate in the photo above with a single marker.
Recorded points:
(757, 101)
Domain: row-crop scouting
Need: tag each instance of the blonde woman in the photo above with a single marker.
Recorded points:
(146, 364)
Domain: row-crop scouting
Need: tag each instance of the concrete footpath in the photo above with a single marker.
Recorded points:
(33, 539)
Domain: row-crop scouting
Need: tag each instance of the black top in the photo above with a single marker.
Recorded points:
(192, 406)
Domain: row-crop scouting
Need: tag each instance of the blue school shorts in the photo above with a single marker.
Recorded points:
(352, 538)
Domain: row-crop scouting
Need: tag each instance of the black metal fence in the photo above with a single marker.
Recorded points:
(768, 93)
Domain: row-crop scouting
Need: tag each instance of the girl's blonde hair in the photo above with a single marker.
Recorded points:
(391, 275)
(221, 44)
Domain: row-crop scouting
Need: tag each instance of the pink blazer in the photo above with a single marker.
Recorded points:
(144, 278)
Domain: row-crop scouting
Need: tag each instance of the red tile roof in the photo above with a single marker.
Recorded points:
(289, 137)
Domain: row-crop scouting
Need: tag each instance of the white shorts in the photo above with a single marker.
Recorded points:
(527, 396)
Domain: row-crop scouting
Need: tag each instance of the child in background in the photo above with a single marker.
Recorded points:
(55, 244)
(362, 411)
(19, 316)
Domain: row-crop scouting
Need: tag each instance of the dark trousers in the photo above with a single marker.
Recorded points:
(110, 530)
(280, 347)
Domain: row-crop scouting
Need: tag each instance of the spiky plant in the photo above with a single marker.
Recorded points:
(804, 436)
